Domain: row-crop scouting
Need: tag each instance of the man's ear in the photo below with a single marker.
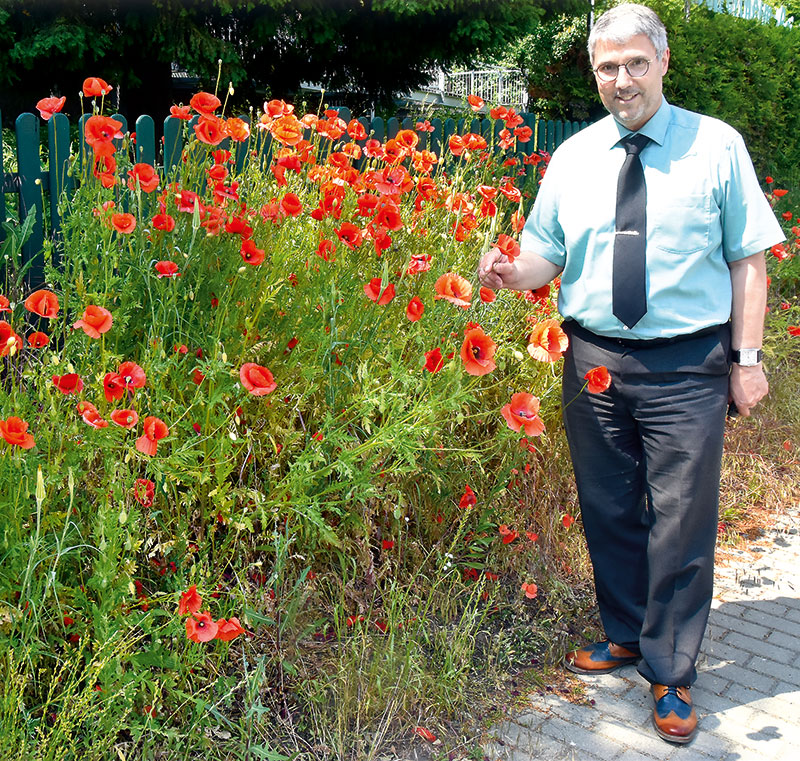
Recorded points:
(665, 62)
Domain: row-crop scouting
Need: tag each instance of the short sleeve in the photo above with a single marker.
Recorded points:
(542, 233)
(748, 222)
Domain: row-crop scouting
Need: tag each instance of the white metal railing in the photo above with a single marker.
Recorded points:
(496, 86)
(750, 9)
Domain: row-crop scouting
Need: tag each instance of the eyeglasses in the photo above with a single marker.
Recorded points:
(636, 67)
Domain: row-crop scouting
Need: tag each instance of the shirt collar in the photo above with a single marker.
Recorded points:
(655, 128)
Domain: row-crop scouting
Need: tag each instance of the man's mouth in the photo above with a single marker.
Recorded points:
(626, 97)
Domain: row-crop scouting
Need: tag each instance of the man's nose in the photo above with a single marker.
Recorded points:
(623, 78)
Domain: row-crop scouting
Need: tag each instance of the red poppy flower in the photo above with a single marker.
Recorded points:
(198, 376)
(291, 205)
(258, 380)
(210, 130)
(453, 288)
(374, 293)
(487, 295)
(167, 269)
(164, 222)
(523, 134)
(350, 234)
(779, 193)
(229, 630)
(180, 112)
(49, 106)
(123, 223)
(145, 176)
(475, 103)
(415, 309)
(144, 491)
(433, 360)
(205, 103)
(94, 87)
(200, 627)
(477, 352)
(190, 601)
(38, 340)
(567, 520)
(132, 375)
(5, 304)
(287, 129)
(125, 418)
(793, 330)
(100, 131)
(468, 498)
(251, 253)
(325, 249)
(237, 129)
(90, 414)
(598, 379)
(10, 342)
(498, 112)
(530, 590)
(508, 246)
(44, 303)
(507, 534)
(425, 734)
(154, 430)
(70, 383)
(522, 413)
(15, 431)
(419, 263)
(547, 342)
(95, 320)
(456, 145)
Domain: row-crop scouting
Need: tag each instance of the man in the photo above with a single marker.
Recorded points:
(659, 238)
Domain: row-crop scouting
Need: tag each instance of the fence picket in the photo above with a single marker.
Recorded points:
(30, 192)
(146, 140)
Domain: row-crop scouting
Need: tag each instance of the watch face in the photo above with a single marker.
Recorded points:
(749, 357)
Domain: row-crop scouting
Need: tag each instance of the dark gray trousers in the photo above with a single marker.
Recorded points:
(646, 455)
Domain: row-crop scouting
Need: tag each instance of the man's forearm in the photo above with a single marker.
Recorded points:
(749, 283)
(748, 385)
(527, 272)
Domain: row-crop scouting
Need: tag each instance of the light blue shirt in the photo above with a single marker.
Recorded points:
(704, 209)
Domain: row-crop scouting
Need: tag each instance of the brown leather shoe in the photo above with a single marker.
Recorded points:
(674, 717)
(599, 658)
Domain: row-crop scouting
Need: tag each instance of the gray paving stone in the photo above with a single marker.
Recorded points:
(782, 671)
(727, 652)
(784, 624)
(781, 639)
(644, 740)
(747, 677)
(711, 682)
(766, 650)
(739, 624)
(582, 739)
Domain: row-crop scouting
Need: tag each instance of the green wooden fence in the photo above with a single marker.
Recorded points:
(40, 190)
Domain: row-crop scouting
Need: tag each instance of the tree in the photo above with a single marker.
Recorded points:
(373, 49)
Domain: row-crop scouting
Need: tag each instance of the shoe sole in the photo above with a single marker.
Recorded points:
(588, 672)
(672, 738)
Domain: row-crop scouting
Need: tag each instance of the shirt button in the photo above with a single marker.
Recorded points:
(625, 327)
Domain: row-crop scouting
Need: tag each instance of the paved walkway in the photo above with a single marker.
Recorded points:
(747, 693)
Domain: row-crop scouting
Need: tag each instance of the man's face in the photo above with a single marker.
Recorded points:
(631, 101)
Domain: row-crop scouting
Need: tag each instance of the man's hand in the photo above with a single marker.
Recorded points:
(495, 271)
(527, 271)
(748, 386)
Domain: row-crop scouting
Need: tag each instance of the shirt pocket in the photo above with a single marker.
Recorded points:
(680, 225)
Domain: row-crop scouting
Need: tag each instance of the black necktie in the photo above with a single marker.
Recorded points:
(629, 299)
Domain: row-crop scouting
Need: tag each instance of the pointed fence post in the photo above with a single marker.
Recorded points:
(31, 196)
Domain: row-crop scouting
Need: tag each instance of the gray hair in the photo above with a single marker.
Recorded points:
(627, 20)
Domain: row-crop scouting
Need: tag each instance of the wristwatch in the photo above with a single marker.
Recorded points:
(746, 357)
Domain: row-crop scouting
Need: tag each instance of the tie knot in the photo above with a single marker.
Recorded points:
(633, 144)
